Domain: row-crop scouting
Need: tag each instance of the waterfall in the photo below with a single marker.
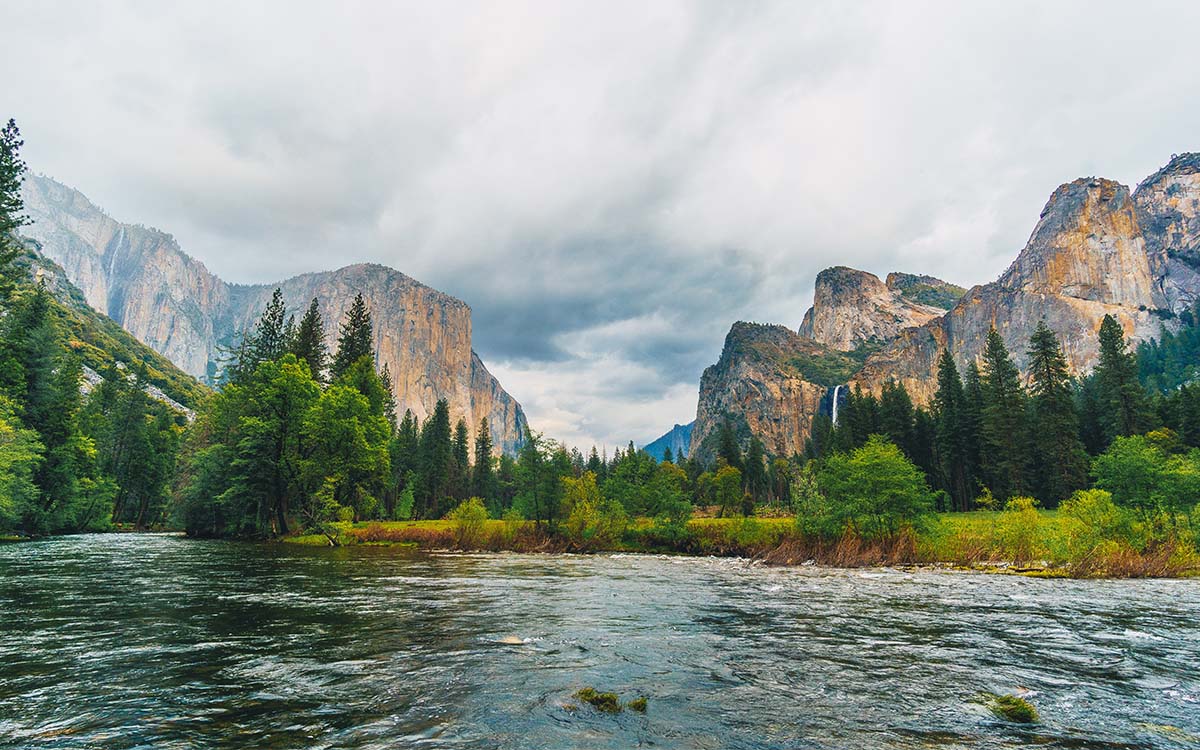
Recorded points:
(836, 390)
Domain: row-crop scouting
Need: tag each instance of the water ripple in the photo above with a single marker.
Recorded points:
(127, 641)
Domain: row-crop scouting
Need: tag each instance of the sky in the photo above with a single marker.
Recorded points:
(609, 185)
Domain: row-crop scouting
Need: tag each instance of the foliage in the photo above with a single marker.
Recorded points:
(1091, 520)
(592, 521)
(727, 488)
(20, 454)
(469, 519)
(1019, 529)
(1140, 475)
(830, 367)
(875, 490)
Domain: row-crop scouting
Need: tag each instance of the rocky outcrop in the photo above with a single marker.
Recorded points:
(757, 386)
(678, 439)
(143, 280)
(1168, 205)
(1096, 250)
(852, 307)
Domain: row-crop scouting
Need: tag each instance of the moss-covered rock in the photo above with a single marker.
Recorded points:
(609, 703)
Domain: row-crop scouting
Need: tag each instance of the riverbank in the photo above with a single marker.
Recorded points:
(1037, 543)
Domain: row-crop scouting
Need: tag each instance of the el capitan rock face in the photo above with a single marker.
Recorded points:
(1096, 250)
(171, 302)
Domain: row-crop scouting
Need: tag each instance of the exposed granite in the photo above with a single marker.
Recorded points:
(852, 307)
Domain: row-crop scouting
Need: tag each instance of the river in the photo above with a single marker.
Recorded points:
(140, 641)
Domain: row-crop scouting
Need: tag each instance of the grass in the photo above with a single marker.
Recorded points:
(1041, 543)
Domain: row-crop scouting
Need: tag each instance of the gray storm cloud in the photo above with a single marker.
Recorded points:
(609, 185)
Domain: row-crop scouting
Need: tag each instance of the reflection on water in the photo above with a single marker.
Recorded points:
(126, 641)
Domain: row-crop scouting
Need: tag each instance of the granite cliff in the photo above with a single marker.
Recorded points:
(1096, 250)
(141, 278)
(852, 307)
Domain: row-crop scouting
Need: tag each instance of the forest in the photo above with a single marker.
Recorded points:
(300, 436)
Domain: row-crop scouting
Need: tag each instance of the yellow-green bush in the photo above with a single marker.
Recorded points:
(469, 519)
(1019, 530)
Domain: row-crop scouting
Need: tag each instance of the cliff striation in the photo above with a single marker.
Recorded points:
(142, 279)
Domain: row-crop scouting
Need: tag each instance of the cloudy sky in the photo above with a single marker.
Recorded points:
(609, 185)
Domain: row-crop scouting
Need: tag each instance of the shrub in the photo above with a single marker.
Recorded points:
(1089, 519)
(1019, 529)
(596, 525)
(875, 490)
(1140, 475)
(469, 519)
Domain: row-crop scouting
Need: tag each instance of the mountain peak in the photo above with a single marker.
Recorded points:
(853, 307)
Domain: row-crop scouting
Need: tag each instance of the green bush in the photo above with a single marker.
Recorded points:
(1141, 475)
(874, 491)
(469, 519)
(1019, 529)
(1090, 519)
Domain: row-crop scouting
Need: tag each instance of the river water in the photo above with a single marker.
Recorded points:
(156, 641)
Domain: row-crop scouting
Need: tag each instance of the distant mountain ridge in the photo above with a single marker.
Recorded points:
(1097, 249)
(678, 439)
(170, 301)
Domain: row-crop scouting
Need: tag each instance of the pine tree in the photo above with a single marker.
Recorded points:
(727, 446)
(404, 450)
(270, 337)
(896, 416)
(483, 478)
(755, 474)
(668, 456)
(972, 419)
(952, 463)
(460, 482)
(389, 395)
(436, 461)
(1006, 456)
(12, 218)
(1124, 406)
(356, 339)
(289, 333)
(309, 343)
(1061, 463)
(595, 464)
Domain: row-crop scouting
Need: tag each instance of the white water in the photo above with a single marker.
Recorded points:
(836, 390)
